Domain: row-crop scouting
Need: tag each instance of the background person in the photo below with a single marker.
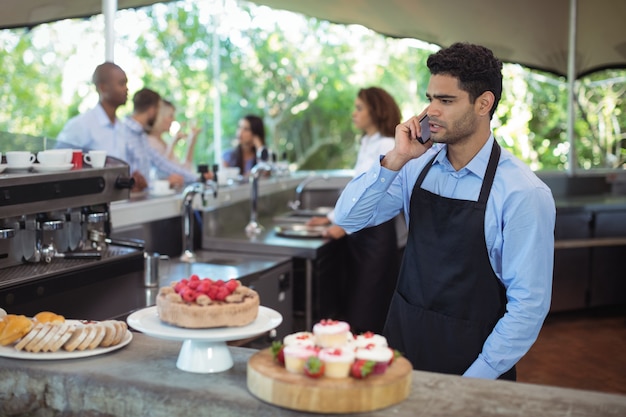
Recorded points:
(372, 260)
(250, 137)
(162, 126)
(140, 155)
(99, 128)
(475, 283)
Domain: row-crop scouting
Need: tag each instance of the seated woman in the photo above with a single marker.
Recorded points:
(251, 138)
(162, 126)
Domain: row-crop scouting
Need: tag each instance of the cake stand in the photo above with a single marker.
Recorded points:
(203, 350)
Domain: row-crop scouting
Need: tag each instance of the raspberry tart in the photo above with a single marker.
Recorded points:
(204, 303)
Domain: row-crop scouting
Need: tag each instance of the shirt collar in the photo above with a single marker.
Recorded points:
(477, 165)
(133, 125)
(103, 117)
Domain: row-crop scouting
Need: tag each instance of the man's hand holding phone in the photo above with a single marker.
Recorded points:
(412, 140)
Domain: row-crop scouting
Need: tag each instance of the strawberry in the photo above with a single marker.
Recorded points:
(222, 293)
(313, 367)
(232, 284)
(194, 283)
(396, 354)
(203, 287)
(189, 295)
(361, 368)
(179, 287)
(212, 292)
(194, 277)
(278, 352)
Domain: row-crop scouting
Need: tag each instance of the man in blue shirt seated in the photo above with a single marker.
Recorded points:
(476, 278)
(99, 128)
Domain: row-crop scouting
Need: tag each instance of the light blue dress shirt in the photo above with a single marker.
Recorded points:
(93, 130)
(141, 156)
(519, 232)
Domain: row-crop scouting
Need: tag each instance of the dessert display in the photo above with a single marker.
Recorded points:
(350, 374)
(205, 303)
(338, 350)
(50, 332)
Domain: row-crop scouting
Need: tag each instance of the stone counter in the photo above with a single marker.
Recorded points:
(141, 379)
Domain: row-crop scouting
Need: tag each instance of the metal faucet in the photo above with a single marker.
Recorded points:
(297, 202)
(189, 193)
(253, 228)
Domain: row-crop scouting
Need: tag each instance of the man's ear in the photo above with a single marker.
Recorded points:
(485, 102)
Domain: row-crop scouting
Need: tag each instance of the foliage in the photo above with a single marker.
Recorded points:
(301, 75)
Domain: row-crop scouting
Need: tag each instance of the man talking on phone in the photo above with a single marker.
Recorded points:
(476, 278)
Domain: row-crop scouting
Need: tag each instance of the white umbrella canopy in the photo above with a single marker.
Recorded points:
(534, 33)
(530, 32)
(28, 13)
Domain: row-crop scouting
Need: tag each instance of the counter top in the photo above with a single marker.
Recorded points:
(141, 379)
(595, 202)
(143, 207)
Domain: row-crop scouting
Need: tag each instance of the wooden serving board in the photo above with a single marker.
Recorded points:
(272, 383)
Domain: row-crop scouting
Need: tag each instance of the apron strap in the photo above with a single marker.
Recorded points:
(490, 173)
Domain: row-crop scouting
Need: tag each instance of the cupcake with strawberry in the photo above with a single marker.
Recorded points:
(381, 356)
(337, 361)
(331, 333)
(296, 355)
(300, 338)
(369, 339)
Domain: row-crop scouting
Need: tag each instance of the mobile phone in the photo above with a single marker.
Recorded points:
(425, 130)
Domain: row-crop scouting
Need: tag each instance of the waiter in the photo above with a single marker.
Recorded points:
(475, 283)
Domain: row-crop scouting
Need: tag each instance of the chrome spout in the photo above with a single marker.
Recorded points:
(253, 228)
(189, 193)
(297, 202)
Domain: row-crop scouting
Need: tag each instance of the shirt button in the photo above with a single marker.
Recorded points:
(382, 180)
(353, 199)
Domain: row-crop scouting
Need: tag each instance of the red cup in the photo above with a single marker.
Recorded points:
(77, 158)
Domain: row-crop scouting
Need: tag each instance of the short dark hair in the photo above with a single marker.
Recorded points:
(475, 66)
(144, 99)
(102, 73)
(383, 109)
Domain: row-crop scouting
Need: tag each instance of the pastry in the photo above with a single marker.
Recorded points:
(337, 362)
(198, 304)
(296, 355)
(331, 333)
(381, 356)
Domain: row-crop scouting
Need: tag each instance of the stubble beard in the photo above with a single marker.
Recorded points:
(458, 131)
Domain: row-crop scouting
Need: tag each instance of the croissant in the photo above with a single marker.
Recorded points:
(13, 328)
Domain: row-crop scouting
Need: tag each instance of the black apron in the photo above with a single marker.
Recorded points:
(448, 299)
(372, 268)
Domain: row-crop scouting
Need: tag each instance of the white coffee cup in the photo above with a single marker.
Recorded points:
(95, 158)
(160, 186)
(19, 158)
(226, 175)
(54, 157)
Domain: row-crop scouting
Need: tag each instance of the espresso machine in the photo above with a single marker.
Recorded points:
(55, 248)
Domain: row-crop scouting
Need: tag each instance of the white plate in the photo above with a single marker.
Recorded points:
(19, 167)
(147, 321)
(11, 352)
(171, 191)
(52, 168)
